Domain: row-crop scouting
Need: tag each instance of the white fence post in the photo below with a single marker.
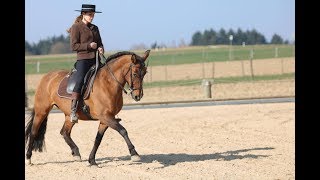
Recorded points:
(206, 88)
(38, 66)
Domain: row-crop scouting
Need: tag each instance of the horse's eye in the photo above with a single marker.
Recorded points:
(134, 74)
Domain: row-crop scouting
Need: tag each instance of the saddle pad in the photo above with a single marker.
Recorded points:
(63, 86)
(62, 89)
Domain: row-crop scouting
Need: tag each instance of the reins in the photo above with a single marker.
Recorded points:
(95, 72)
(124, 90)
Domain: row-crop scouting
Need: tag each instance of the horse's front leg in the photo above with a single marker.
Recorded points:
(114, 124)
(101, 130)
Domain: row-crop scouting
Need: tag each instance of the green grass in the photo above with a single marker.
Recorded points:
(169, 56)
(44, 67)
(210, 54)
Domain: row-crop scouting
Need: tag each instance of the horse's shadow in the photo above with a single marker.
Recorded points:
(172, 159)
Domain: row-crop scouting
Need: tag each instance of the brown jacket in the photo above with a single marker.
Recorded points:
(81, 35)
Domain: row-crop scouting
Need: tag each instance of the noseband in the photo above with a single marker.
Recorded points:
(131, 88)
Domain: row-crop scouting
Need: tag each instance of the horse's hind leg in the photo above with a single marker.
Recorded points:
(114, 124)
(65, 132)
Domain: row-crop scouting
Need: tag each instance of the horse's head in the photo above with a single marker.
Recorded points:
(135, 75)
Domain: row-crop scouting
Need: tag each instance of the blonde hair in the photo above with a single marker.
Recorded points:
(77, 20)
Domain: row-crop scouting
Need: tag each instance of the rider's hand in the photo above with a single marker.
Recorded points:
(93, 45)
(101, 50)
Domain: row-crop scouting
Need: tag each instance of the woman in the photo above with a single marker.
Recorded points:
(85, 39)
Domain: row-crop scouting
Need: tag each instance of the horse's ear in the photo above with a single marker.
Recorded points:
(146, 54)
(133, 59)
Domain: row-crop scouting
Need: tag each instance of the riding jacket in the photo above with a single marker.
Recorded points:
(81, 35)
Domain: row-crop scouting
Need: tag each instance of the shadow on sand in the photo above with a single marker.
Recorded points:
(172, 159)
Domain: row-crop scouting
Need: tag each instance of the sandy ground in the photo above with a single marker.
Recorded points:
(253, 141)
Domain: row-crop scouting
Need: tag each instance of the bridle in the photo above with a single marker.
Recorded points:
(131, 88)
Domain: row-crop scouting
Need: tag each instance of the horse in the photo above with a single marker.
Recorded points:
(105, 102)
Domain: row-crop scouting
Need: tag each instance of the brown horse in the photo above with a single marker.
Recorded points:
(105, 102)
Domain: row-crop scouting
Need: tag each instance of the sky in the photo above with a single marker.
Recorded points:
(126, 23)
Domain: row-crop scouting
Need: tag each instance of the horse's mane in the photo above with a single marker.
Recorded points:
(114, 57)
(118, 54)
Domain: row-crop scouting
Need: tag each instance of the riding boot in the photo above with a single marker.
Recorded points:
(74, 105)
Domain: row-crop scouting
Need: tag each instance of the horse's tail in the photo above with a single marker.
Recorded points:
(38, 143)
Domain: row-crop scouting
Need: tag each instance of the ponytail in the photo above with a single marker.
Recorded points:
(77, 20)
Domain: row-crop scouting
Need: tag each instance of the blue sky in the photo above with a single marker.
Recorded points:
(124, 23)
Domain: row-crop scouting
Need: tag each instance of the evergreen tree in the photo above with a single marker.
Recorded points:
(28, 48)
(276, 39)
(231, 33)
(209, 37)
(197, 39)
(222, 37)
(238, 37)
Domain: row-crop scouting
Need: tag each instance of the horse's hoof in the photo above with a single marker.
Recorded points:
(94, 166)
(135, 158)
(77, 158)
(28, 162)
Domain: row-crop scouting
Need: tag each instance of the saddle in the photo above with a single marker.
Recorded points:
(67, 84)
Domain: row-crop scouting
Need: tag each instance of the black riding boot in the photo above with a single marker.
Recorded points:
(74, 105)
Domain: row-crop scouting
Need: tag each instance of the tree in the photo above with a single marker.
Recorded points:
(197, 39)
(222, 37)
(60, 48)
(254, 37)
(231, 32)
(239, 37)
(209, 37)
(276, 39)
(28, 50)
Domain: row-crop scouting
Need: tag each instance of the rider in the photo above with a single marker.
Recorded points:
(85, 39)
